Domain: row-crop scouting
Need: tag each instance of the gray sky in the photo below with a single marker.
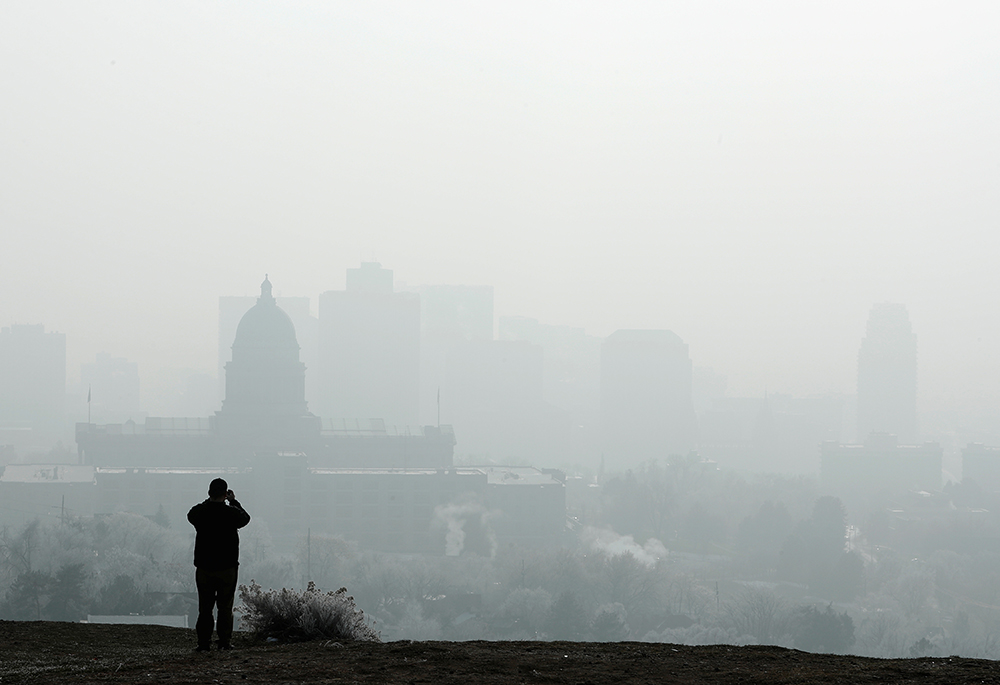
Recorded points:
(752, 176)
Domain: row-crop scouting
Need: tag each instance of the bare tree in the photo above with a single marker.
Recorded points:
(758, 613)
(880, 634)
(16, 549)
(629, 582)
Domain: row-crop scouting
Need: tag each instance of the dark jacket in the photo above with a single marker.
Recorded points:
(217, 544)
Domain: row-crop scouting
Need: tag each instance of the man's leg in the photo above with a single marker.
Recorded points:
(207, 590)
(225, 598)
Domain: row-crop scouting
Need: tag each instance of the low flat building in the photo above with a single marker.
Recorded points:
(530, 505)
(880, 465)
(453, 511)
(29, 491)
(981, 466)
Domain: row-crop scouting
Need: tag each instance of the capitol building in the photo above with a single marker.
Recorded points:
(390, 490)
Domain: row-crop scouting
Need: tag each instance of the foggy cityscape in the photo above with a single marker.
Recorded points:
(661, 323)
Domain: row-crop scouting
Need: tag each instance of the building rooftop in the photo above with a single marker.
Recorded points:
(453, 470)
(164, 470)
(47, 473)
(518, 475)
(377, 428)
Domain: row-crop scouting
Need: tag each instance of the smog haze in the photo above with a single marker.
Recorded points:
(751, 177)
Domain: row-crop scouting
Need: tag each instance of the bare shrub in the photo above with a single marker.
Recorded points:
(307, 615)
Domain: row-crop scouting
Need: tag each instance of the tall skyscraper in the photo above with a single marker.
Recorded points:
(32, 377)
(572, 361)
(450, 316)
(492, 395)
(647, 410)
(369, 358)
(887, 375)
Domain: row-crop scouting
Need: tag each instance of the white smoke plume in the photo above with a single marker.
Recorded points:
(453, 517)
(608, 541)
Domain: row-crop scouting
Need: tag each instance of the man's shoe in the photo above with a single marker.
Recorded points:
(203, 648)
(225, 647)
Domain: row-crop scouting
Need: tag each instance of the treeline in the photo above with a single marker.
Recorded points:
(118, 564)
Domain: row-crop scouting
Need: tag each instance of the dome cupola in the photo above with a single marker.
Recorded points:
(266, 329)
(265, 376)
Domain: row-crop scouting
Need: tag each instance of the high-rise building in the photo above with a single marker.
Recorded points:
(492, 395)
(369, 341)
(572, 386)
(887, 375)
(32, 378)
(572, 360)
(450, 316)
(647, 410)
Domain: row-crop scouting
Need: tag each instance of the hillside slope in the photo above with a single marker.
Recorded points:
(45, 652)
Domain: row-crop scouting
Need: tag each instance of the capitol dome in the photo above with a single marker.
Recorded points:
(265, 377)
(265, 327)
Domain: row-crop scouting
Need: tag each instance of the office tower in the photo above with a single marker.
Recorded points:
(646, 400)
(887, 375)
(32, 377)
(572, 361)
(492, 396)
(369, 342)
(450, 315)
(572, 386)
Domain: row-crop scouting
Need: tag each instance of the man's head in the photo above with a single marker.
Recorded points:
(218, 489)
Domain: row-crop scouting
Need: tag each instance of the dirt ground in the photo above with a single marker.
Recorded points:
(44, 652)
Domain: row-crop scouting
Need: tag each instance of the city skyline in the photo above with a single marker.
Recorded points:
(236, 305)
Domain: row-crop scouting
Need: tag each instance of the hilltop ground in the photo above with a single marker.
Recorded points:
(44, 652)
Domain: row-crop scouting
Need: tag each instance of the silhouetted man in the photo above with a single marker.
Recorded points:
(216, 557)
